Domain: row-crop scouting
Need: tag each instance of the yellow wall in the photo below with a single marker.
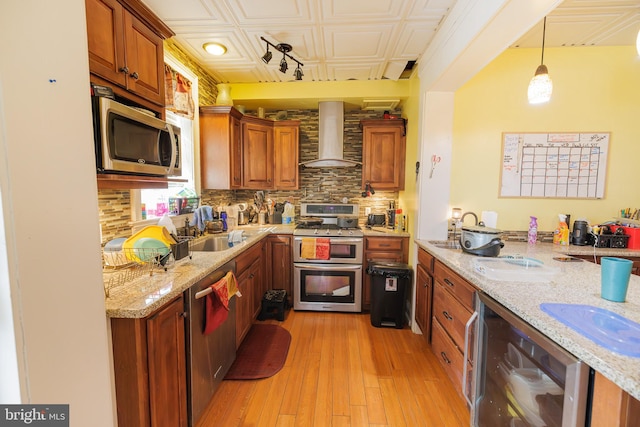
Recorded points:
(596, 89)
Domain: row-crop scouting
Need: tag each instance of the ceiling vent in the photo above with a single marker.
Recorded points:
(380, 104)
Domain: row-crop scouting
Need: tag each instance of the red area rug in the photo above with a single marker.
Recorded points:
(262, 353)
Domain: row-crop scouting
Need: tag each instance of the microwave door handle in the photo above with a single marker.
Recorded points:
(174, 149)
(465, 368)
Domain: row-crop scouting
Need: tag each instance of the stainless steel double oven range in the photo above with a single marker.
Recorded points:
(330, 279)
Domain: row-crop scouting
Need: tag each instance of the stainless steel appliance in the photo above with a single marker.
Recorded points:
(521, 377)
(481, 240)
(131, 140)
(332, 282)
(209, 357)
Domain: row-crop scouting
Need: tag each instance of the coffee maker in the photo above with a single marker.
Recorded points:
(391, 218)
(580, 232)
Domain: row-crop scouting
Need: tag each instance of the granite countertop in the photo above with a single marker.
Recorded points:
(142, 296)
(576, 283)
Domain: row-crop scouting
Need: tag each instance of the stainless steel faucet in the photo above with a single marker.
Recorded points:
(469, 213)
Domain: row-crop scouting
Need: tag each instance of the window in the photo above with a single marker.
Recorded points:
(156, 201)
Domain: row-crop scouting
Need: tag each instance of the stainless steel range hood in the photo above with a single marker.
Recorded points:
(330, 137)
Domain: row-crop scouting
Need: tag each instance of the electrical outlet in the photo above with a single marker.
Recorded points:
(367, 211)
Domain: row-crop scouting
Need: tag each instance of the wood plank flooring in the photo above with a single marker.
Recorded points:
(341, 371)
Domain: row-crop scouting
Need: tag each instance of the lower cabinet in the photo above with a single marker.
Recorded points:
(424, 292)
(150, 368)
(635, 268)
(280, 263)
(453, 305)
(385, 249)
(251, 283)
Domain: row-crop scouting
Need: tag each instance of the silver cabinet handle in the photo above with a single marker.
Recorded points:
(445, 358)
(467, 327)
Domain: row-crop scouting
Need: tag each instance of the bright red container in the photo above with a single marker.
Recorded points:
(633, 233)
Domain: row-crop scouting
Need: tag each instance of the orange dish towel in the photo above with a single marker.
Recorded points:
(323, 248)
(217, 302)
(308, 248)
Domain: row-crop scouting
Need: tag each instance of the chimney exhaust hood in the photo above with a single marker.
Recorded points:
(330, 137)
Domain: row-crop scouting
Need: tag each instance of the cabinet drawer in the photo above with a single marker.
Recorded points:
(245, 259)
(447, 354)
(383, 244)
(459, 288)
(452, 315)
(426, 260)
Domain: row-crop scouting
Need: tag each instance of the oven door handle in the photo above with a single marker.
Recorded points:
(332, 267)
(340, 240)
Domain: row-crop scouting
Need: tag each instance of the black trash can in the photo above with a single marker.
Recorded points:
(389, 283)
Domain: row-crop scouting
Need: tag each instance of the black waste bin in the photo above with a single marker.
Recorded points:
(389, 283)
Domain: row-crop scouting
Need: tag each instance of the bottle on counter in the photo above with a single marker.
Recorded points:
(223, 218)
(532, 236)
(561, 234)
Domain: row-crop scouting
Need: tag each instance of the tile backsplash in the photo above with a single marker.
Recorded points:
(322, 185)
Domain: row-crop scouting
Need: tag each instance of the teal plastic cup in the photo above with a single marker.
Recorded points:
(614, 278)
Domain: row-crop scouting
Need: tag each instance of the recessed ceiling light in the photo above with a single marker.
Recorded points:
(216, 49)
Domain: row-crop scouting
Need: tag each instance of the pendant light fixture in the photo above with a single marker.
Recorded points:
(285, 48)
(540, 87)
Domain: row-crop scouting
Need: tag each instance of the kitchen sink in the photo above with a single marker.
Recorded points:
(211, 243)
(445, 244)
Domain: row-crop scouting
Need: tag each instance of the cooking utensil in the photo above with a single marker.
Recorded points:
(310, 222)
(347, 221)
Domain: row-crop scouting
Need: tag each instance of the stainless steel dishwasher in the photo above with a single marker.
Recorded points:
(209, 357)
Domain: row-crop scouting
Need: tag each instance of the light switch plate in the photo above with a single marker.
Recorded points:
(367, 211)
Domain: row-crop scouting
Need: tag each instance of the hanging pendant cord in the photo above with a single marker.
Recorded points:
(544, 31)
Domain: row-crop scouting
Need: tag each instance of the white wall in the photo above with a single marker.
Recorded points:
(49, 208)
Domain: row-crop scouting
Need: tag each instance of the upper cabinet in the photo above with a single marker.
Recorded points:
(246, 152)
(220, 148)
(125, 50)
(383, 153)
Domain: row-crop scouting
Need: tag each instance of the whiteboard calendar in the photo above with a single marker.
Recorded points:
(561, 165)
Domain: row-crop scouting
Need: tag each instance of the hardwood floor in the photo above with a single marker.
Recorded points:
(341, 371)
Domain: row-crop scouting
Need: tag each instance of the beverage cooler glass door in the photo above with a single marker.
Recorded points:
(521, 377)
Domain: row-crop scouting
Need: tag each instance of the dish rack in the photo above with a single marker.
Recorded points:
(129, 264)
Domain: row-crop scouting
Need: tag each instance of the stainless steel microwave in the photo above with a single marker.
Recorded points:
(129, 140)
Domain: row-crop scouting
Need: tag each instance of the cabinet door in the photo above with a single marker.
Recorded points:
(167, 366)
(279, 264)
(144, 60)
(257, 282)
(383, 156)
(286, 157)
(235, 136)
(257, 152)
(244, 306)
(424, 286)
(105, 38)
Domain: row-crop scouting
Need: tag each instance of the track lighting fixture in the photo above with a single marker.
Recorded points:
(541, 86)
(284, 66)
(267, 56)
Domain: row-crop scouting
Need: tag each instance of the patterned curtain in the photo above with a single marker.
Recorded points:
(177, 93)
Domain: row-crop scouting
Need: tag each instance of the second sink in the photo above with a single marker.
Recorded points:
(211, 243)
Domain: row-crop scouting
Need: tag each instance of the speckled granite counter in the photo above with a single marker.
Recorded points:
(577, 283)
(144, 295)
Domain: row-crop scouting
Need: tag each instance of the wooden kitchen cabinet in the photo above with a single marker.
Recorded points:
(257, 153)
(383, 153)
(635, 268)
(150, 368)
(453, 305)
(286, 154)
(424, 292)
(612, 406)
(392, 248)
(245, 152)
(220, 148)
(280, 263)
(251, 283)
(125, 49)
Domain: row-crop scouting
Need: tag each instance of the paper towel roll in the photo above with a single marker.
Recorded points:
(490, 219)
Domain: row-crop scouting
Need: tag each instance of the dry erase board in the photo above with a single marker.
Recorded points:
(562, 165)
